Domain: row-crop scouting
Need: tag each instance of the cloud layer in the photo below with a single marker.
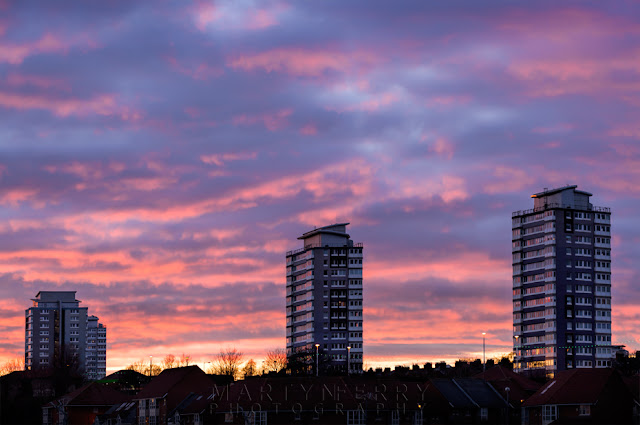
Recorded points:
(161, 157)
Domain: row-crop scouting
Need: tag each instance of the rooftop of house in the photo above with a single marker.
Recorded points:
(575, 386)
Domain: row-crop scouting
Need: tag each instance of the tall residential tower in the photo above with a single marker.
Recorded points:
(324, 298)
(561, 283)
(58, 330)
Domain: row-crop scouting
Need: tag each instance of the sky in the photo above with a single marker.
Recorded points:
(160, 157)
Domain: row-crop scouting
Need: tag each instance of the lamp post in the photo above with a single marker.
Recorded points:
(348, 359)
(484, 358)
(317, 347)
(150, 365)
(515, 357)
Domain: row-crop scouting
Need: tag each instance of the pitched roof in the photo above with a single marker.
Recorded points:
(168, 378)
(93, 394)
(469, 393)
(501, 378)
(501, 373)
(575, 386)
(453, 394)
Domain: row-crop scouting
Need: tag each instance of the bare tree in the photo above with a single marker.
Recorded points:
(184, 360)
(145, 367)
(12, 366)
(276, 360)
(227, 362)
(249, 369)
(140, 366)
(169, 362)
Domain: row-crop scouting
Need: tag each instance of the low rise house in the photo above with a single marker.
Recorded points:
(586, 396)
(81, 406)
(158, 400)
(471, 400)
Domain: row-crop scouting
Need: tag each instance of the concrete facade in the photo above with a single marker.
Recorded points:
(324, 298)
(56, 328)
(96, 352)
(561, 283)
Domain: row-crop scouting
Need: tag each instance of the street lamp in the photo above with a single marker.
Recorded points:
(484, 358)
(150, 365)
(348, 359)
(317, 346)
(515, 357)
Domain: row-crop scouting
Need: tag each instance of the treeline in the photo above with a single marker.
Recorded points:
(227, 362)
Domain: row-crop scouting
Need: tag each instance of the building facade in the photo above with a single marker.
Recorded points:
(324, 298)
(96, 352)
(561, 283)
(56, 333)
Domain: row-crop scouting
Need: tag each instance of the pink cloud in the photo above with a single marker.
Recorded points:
(234, 15)
(567, 25)
(442, 147)
(301, 62)
(201, 71)
(104, 104)
(309, 130)
(448, 101)
(508, 179)
(15, 197)
(555, 77)
(221, 159)
(204, 14)
(261, 19)
(272, 121)
(16, 53)
(39, 81)
(449, 188)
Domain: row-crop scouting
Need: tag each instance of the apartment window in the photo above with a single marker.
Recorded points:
(568, 239)
(568, 251)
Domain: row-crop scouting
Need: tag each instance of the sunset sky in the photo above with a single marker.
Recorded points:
(160, 157)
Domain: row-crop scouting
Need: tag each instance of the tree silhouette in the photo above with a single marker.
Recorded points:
(275, 361)
(227, 362)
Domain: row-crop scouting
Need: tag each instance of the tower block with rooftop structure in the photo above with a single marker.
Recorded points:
(324, 299)
(561, 283)
(58, 330)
